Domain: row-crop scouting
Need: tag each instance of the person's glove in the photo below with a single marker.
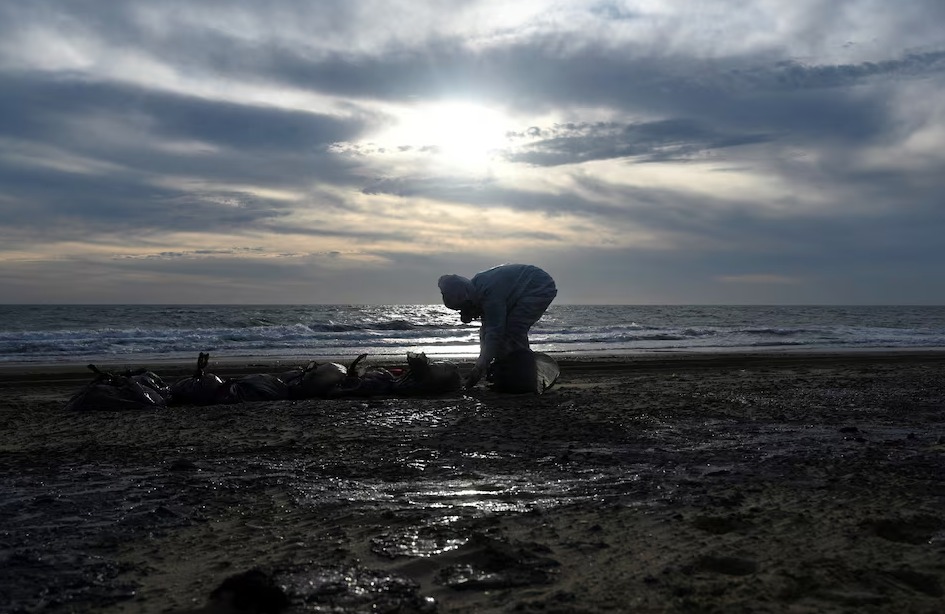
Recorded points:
(473, 378)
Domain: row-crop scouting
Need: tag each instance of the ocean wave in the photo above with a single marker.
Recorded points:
(334, 328)
(699, 332)
(86, 332)
(390, 325)
(778, 332)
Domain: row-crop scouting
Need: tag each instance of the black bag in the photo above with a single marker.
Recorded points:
(523, 371)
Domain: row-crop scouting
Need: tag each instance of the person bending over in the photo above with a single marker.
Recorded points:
(509, 298)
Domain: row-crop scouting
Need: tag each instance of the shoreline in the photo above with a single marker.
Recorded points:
(27, 373)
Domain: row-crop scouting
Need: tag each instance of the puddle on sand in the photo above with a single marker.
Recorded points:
(468, 497)
(447, 504)
(447, 481)
(431, 538)
(405, 415)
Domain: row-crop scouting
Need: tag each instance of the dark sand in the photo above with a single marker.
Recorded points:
(736, 483)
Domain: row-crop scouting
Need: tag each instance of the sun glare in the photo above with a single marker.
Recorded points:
(456, 134)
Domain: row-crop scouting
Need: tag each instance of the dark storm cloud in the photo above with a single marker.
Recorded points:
(734, 106)
(735, 92)
(736, 96)
(543, 71)
(60, 204)
(50, 108)
(573, 143)
(757, 92)
(792, 75)
(731, 102)
(645, 142)
(539, 73)
(716, 94)
(123, 178)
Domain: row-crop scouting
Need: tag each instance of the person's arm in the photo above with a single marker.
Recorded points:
(496, 288)
(490, 339)
(494, 315)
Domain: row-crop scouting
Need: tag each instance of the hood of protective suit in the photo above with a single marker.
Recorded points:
(456, 290)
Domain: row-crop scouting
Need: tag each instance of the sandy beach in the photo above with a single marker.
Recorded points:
(663, 483)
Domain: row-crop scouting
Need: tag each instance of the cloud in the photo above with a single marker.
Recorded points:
(672, 139)
(110, 158)
(68, 109)
(199, 253)
(758, 278)
(189, 140)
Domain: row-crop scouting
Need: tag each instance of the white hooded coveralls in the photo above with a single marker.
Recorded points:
(512, 297)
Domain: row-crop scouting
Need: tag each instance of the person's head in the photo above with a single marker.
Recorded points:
(458, 292)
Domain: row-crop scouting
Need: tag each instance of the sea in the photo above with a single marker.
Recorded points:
(136, 335)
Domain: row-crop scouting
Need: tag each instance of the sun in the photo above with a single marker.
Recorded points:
(465, 134)
(459, 135)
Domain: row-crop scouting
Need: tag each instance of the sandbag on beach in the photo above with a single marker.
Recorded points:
(524, 371)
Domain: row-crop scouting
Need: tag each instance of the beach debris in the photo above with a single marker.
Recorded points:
(364, 382)
(330, 380)
(150, 380)
(523, 372)
(334, 380)
(139, 389)
(255, 387)
(314, 380)
(201, 388)
(424, 376)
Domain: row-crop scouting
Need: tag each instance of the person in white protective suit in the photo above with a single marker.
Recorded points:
(509, 298)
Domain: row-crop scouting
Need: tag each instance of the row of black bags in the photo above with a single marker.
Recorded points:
(143, 389)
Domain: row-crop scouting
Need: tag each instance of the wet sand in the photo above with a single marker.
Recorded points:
(697, 483)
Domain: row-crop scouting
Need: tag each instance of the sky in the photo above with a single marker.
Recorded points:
(352, 151)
